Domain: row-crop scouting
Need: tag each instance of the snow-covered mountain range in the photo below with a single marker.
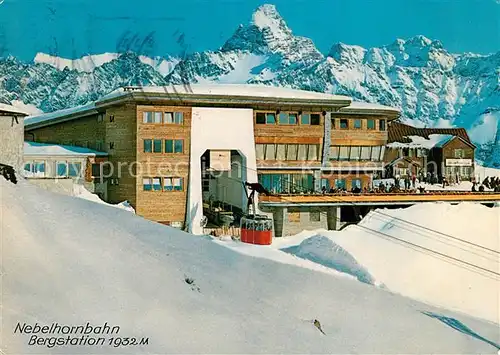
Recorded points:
(430, 85)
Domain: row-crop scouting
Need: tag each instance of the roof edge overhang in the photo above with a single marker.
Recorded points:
(60, 119)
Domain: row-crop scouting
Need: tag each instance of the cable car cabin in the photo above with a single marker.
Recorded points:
(256, 229)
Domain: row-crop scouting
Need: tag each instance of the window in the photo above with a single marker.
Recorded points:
(148, 145)
(179, 118)
(156, 184)
(334, 153)
(292, 118)
(382, 152)
(305, 119)
(157, 117)
(28, 167)
(313, 152)
(172, 184)
(315, 119)
(344, 124)
(260, 118)
(291, 152)
(288, 118)
(169, 117)
(315, 216)
(357, 123)
(302, 153)
(382, 125)
(61, 168)
(281, 152)
(270, 152)
(356, 183)
(344, 153)
(39, 167)
(340, 183)
(174, 146)
(370, 124)
(326, 184)
(147, 117)
(375, 153)
(100, 117)
(459, 153)
(74, 169)
(333, 123)
(355, 153)
(147, 184)
(366, 153)
(270, 118)
(206, 185)
(157, 148)
(259, 151)
(96, 170)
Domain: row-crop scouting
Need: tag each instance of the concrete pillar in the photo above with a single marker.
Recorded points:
(279, 216)
(331, 218)
(317, 180)
(325, 159)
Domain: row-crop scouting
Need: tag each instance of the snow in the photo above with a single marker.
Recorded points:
(12, 109)
(43, 149)
(357, 106)
(161, 65)
(81, 192)
(482, 172)
(73, 261)
(29, 109)
(31, 120)
(435, 140)
(85, 64)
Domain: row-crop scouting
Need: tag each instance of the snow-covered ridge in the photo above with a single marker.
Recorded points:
(88, 63)
(435, 140)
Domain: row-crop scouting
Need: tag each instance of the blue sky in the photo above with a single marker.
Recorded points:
(72, 28)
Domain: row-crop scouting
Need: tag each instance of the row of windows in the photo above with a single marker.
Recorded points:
(287, 151)
(345, 123)
(287, 183)
(356, 153)
(62, 169)
(287, 118)
(341, 184)
(169, 184)
(161, 146)
(163, 117)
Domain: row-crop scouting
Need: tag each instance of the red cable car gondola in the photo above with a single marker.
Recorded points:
(256, 229)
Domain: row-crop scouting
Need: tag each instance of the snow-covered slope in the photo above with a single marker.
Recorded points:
(72, 261)
(431, 85)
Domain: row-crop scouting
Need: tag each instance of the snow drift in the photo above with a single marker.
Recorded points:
(72, 261)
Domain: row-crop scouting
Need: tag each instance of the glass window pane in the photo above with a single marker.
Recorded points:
(382, 152)
(74, 169)
(313, 152)
(356, 183)
(375, 153)
(344, 124)
(39, 167)
(259, 151)
(147, 184)
(177, 182)
(281, 152)
(179, 146)
(355, 153)
(302, 155)
(291, 152)
(157, 146)
(340, 183)
(366, 152)
(292, 118)
(382, 125)
(62, 169)
(179, 117)
(270, 152)
(28, 167)
(315, 119)
(260, 118)
(305, 118)
(169, 145)
(270, 118)
(156, 184)
(148, 145)
(147, 117)
(370, 124)
(157, 117)
(283, 118)
(265, 180)
(167, 184)
(169, 117)
(357, 123)
(344, 153)
(334, 152)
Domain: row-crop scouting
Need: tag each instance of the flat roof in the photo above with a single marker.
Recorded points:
(363, 108)
(44, 149)
(6, 108)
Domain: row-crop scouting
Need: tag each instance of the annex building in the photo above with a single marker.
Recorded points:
(173, 151)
